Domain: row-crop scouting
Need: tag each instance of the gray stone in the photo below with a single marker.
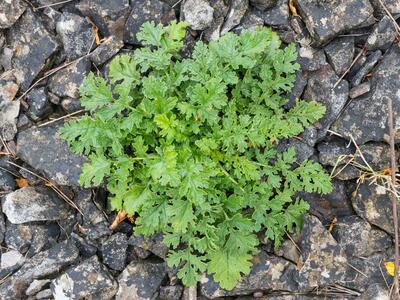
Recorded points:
(303, 150)
(146, 10)
(90, 279)
(106, 50)
(172, 292)
(198, 13)
(105, 14)
(41, 265)
(360, 90)
(320, 89)
(11, 258)
(375, 291)
(268, 273)
(296, 91)
(358, 238)
(10, 11)
(32, 48)
(340, 53)
(114, 251)
(9, 109)
(66, 82)
(140, 281)
(365, 119)
(372, 202)
(153, 243)
(377, 155)
(8, 89)
(382, 35)
(44, 150)
(370, 63)
(393, 6)
(91, 213)
(39, 104)
(2, 228)
(77, 35)
(36, 286)
(277, 16)
(235, 14)
(220, 11)
(322, 262)
(263, 4)
(30, 204)
(311, 59)
(45, 294)
(7, 182)
(327, 19)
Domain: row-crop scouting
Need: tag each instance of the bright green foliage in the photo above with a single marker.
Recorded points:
(188, 146)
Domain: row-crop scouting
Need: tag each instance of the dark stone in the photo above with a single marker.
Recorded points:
(114, 251)
(146, 10)
(263, 4)
(41, 265)
(370, 63)
(71, 105)
(327, 19)
(7, 182)
(44, 150)
(198, 13)
(372, 202)
(10, 11)
(32, 48)
(89, 279)
(278, 15)
(23, 122)
(377, 155)
(382, 36)
(340, 53)
(95, 232)
(237, 9)
(140, 280)
(173, 292)
(365, 119)
(2, 228)
(323, 261)
(106, 50)
(268, 273)
(311, 59)
(220, 11)
(328, 206)
(358, 238)
(77, 35)
(250, 21)
(39, 104)
(52, 17)
(303, 150)
(30, 239)
(297, 90)
(91, 213)
(320, 89)
(66, 82)
(86, 248)
(30, 204)
(154, 244)
(333, 153)
(360, 90)
(104, 13)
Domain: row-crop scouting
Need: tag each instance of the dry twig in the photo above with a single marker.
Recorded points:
(61, 118)
(393, 196)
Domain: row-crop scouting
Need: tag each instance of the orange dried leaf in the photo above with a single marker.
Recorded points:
(122, 215)
(332, 224)
(292, 8)
(21, 182)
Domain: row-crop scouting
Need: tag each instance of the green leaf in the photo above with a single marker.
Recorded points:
(95, 171)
